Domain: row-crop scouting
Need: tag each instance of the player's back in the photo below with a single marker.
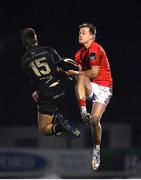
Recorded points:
(40, 65)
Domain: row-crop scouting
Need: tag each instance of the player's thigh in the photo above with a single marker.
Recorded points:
(88, 86)
(44, 120)
(97, 110)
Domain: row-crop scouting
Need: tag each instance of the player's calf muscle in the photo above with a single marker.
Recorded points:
(46, 130)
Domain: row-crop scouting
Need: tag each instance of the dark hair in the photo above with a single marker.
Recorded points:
(28, 36)
(90, 26)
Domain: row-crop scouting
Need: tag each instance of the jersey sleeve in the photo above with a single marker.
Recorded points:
(56, 57)
(94, 57)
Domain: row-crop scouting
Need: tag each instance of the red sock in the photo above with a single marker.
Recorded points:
(82, 102)
(97, 141)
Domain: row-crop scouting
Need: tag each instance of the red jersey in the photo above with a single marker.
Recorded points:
(95, 56)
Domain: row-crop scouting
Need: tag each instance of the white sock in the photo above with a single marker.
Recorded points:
(83, 110)
(97, 147)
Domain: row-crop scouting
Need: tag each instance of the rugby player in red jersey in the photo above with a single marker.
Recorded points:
(94, 83)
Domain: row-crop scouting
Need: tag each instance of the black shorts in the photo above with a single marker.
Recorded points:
(52, 104)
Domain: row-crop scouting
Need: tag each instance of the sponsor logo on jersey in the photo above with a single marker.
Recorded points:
(93, 56)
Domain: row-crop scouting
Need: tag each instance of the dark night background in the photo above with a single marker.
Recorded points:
(56, 23)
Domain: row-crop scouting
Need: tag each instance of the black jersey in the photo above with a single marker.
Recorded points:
(40, 64)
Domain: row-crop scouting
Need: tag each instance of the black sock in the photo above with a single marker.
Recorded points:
(57, 129)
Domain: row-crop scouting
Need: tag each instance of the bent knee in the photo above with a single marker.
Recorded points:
(45, 131)
(95, 118)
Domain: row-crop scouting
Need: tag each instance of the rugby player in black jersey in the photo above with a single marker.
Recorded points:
(46, 70)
